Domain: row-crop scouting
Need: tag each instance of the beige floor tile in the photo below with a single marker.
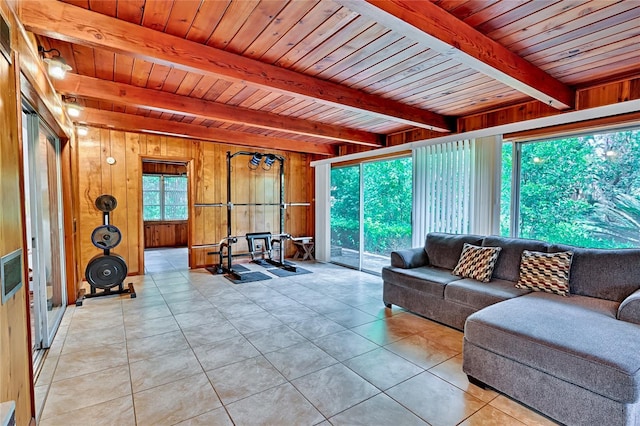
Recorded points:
(382, 368)
(176, 401)
(351, 317)
(91, 360)
(520, 412)
(334, 389)
(421, 351)
(377, 411)
(489, 416)
(244, 378)
(108, 335)
(117, 411)
(40, 393)
(316, 327)
(293, 314)
(434, 400)
(300, 359)
(451, 371)
(45, 376)
(185, 306)
(382, 332)
(275, 338)
(141, 329)
(130, 305)
(254, 322)
(146, 313)
(93, 388)
(443, 335)
(345, 344)
(282, 405)
(163, 369)
(225, 352)
(197, 318)
(175, 288)
(208, 334)
(217, 417)
(153, 346)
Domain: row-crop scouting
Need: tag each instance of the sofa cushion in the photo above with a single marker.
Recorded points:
(478, 295)
(477, 262)
(576, 339)
(629, 309)
(605, 274)
(444, 249)
(545, 271)
(426, 278)
(508, 264)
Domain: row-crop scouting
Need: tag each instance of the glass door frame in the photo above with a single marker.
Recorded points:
(45, 327)
(361, 216)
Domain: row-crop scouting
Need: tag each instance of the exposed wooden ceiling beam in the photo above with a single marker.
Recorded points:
(435, 28)
(77, 25)
(94, 88)
(137, 123)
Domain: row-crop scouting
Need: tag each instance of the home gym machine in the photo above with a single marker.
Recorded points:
(106, 271)
(260, 244)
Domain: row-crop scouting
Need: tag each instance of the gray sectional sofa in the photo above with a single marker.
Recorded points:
(574, 358)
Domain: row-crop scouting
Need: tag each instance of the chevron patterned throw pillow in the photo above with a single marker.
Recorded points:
(477, 262)
(545, 271)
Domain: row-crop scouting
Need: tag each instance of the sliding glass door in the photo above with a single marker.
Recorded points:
(43, 203)
(370, 212)
(345, 216)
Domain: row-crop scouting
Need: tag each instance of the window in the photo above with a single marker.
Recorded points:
(164, 197)
(582, 190)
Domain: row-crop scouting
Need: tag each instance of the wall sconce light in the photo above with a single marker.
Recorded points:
(268, 161)
(56, 65)
(255, 161)
(74, 109)
(82, 130)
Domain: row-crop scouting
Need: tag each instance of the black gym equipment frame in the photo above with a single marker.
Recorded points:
(267, 237)
(105, 203)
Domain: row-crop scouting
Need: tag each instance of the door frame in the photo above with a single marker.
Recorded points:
(188, 161)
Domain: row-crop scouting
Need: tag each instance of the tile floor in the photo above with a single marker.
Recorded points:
(195, 349)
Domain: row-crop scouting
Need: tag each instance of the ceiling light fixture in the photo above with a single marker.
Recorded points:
(56, 65)
(82, 130)
(74, 109)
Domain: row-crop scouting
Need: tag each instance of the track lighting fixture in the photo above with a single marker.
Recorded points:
(56, 65)
(254, 162)
(268, 161)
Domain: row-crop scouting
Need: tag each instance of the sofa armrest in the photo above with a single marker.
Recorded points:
(629, 309)
(410, 258)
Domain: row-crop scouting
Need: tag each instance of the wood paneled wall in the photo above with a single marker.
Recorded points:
(207, 177)
(15, 380)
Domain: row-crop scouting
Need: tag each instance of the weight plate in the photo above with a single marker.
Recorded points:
(106, 237)
(106, 203)
(106, 271)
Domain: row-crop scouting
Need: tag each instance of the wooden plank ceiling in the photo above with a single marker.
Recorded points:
(308, 75)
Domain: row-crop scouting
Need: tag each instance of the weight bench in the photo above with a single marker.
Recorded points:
(268, 240)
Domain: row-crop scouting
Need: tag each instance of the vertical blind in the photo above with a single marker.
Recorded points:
(456, 188)
(443, 189)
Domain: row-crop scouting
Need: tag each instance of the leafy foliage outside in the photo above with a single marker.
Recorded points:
(583, 191)
(387, 206)
(164, 197)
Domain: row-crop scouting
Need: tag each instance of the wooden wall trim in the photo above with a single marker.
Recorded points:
(597, 125)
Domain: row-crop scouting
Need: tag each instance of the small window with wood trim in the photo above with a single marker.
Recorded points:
(164, 197)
